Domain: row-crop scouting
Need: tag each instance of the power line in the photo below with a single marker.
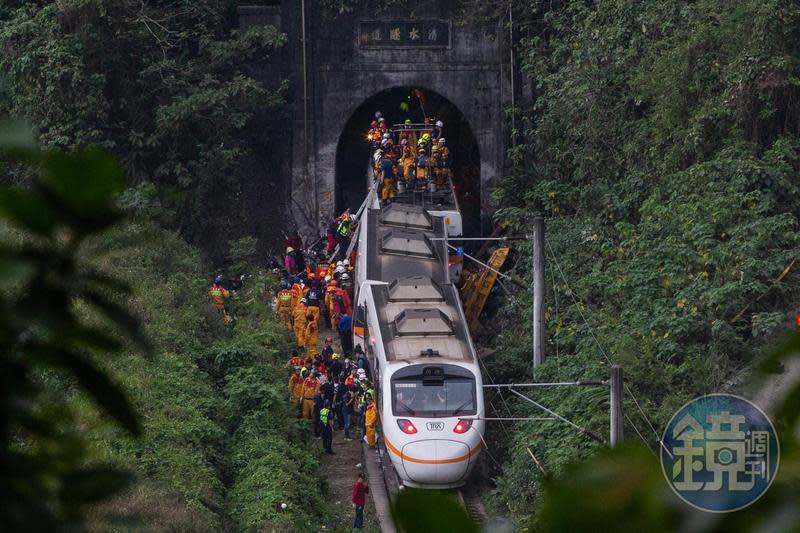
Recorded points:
(602, 350)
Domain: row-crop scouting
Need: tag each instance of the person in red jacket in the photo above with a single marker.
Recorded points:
(360, 490)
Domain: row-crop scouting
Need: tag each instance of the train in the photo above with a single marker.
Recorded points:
(409, 319)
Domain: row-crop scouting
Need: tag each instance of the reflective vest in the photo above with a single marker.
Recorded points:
(285, 298)
(323, 415)
(344, 227)
(218, 294)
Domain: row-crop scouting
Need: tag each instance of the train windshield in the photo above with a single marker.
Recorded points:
(451, 396)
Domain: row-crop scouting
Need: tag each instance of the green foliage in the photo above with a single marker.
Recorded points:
(174, 111)
(625, 490)
(48, 475)
(427, 510)
(662, 146)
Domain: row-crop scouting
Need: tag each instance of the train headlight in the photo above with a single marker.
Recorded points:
(406, 426)
(462, 426)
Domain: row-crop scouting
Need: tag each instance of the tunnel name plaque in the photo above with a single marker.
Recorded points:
(404, 34)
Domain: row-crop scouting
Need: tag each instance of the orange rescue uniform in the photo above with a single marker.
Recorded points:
(370, 421)
(296, 389)
(299, 313)
(311, 338)
(310, 388)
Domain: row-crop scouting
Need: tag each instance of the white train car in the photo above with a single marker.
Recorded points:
(410, 321)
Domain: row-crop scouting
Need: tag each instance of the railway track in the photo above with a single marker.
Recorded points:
(468, 497)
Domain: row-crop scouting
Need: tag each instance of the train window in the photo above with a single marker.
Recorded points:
(452, 396)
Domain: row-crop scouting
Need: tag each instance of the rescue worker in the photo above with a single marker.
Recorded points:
(311, 335)
(327, 351)
(310, 388)
(290, 261)
(325, 423)
(370, 421)
(295, 360)
(218, 295)
(346, 285)
(296, 388)
(330, 292)
(297, 291)
(343, 231)
(388, 186)
(300, 322)
(313, 298)
(422, 171)
(345, 327)
(284, 302)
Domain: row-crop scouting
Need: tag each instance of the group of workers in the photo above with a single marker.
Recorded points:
(330, 389)
(334, 394)
(409, 157)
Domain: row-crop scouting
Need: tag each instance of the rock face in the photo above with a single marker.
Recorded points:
(364, 61)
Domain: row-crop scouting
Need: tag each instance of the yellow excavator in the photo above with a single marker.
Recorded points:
(477, 285)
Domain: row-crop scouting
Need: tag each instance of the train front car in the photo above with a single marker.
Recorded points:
(429, 385)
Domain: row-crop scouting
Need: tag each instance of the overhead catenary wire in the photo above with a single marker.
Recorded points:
(602, 350)
(558, 416)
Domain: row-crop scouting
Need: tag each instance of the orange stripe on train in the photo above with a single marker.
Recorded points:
(404, 457)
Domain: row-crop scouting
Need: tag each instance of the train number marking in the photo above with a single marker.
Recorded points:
(435, 426)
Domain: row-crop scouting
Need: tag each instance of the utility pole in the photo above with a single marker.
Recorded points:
(616, 405)
(538, 291)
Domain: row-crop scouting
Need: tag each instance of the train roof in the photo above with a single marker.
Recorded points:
(421, 319)
(399, 244)
(418, 308)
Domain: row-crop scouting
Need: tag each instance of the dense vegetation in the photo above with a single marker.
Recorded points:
(206, 439)
(161, 85)
(661, 144)
(662, 147)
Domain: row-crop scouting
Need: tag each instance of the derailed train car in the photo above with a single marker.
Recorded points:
(410, 321)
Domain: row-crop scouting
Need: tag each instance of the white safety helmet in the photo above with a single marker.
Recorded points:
(339, 269)
(361, 372)
(442, 140)
(378, 115)
(345, 276)
(381, 119)
(339, 263)
(327, 279)
(386, 135)
(346, 262)
(439, 124)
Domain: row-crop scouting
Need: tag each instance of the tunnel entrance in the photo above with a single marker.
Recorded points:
(398, 104)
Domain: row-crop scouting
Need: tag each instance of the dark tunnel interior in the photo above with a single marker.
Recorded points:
(398, 104)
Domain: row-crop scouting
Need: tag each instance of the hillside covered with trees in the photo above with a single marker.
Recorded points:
(661, 142)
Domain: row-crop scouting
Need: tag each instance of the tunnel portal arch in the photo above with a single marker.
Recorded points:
(397, 104)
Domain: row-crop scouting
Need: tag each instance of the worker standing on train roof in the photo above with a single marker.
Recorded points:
(311, 335)
(438, 130)
(300, 322)
(389, 184)
(310, 388)
(422, 170)
(370, 421)
(296, 387)
(283, 306)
